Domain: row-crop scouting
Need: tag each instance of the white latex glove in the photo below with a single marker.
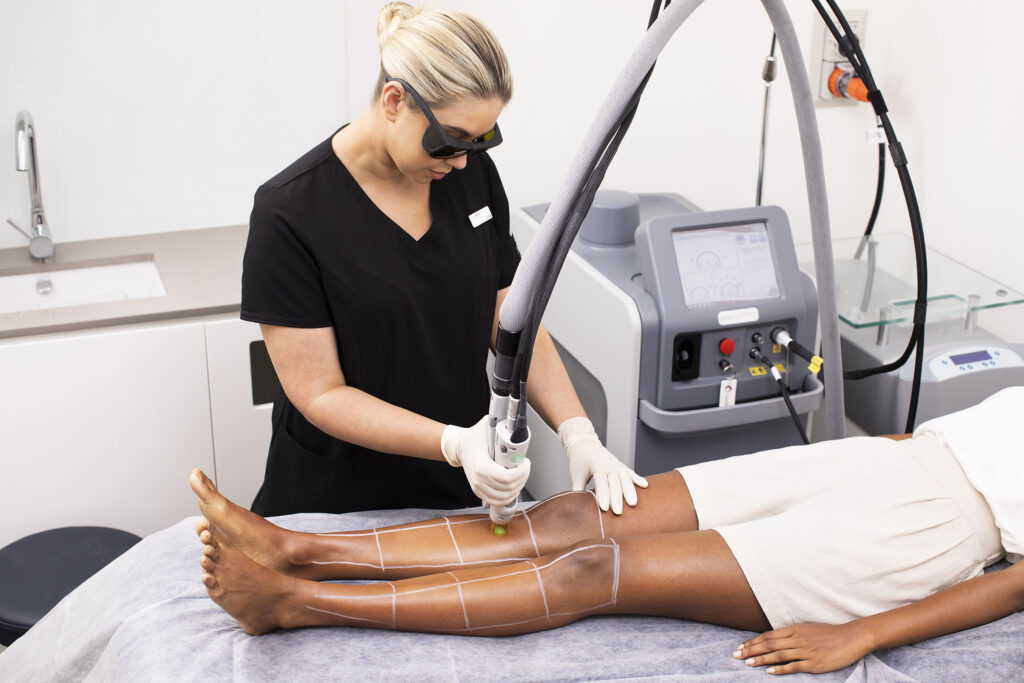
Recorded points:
(588, 458)
(467, 448)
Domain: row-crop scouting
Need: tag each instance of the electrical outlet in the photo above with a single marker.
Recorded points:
(825, 57)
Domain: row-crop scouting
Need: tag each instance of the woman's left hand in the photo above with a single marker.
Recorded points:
(812, 648)
(589, 459)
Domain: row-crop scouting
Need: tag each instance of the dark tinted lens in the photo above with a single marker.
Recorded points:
(439, 144)
(448, 152)
(433, 139)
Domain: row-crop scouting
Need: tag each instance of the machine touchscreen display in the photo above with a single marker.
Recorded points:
(727, 264)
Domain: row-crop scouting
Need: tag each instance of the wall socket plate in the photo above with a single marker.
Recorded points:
(825, 56)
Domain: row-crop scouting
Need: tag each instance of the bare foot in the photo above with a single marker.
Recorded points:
(262, 541)
(255, 596)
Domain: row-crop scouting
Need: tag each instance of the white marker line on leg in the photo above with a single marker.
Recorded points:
(454, 542)
(347, 616)
(600, 518)
(527, 621)
(380, 553)
(533, 537)
(543, 593)
(394, 600)
(615, 580)
(470, 629)
(462, 599)
(480, 580)
(356, 534)
(493, 561)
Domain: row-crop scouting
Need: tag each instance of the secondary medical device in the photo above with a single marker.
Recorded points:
(962, 363)
(656, 314)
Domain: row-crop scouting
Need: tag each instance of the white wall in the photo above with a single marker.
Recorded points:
(165, 116)
(157, 116)
(945, 68)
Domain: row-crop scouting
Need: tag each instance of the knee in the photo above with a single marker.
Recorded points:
(584, 575)
(568, 512)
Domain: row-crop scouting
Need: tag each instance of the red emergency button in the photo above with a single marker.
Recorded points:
(727, 346)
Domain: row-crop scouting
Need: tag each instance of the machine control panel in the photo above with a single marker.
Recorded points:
(967, 359)
(721, 281)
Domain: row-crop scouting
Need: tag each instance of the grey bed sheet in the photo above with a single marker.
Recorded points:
(146, 617)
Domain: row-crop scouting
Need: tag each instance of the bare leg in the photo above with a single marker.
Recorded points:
(690, 575)
(440, 545)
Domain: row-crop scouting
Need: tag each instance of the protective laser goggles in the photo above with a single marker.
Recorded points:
(441, 144)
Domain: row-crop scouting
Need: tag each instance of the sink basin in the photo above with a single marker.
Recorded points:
(77, 284)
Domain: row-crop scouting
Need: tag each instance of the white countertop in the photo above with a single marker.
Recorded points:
(201, 271)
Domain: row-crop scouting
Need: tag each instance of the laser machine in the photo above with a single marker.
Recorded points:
(655, 314)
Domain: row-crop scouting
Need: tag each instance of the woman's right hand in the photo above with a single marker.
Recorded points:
(492, 483)
(810, 648)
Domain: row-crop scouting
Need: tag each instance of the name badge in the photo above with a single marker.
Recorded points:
(478, 218)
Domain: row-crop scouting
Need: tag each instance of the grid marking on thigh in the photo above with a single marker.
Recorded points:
(600, 517)
(454, 542)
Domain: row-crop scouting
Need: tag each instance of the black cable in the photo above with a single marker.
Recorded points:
(792, 410)
(850, 47)
(878, 192)
(757, 354)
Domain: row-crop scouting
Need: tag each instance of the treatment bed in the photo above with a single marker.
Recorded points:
(146, 616)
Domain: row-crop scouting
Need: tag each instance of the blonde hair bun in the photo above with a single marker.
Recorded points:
(391, 16)
(444, 54)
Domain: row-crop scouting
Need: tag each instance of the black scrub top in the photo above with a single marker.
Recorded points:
(412, 320)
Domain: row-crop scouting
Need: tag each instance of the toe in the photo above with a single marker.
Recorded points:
(200, 483)
(202, 524)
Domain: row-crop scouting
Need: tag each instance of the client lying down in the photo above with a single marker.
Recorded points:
(841, 547)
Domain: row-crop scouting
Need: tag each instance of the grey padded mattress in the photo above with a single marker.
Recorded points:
(146, 617)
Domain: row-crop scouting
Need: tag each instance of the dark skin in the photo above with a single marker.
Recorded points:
(665, 566)
(562, 561)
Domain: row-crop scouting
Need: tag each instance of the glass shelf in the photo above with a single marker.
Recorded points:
(884, 294)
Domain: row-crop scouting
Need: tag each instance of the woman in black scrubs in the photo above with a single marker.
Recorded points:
(376, 265)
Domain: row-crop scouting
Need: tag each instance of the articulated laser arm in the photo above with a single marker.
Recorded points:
(524, 305)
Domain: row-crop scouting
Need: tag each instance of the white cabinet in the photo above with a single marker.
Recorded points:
(241, 427)
(102, 427)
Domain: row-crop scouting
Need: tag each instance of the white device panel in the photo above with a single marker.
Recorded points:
(968, 359)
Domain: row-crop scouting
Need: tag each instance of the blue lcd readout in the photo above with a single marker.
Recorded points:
(972, 357)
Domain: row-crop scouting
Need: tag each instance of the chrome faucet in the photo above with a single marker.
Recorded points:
(40, 242)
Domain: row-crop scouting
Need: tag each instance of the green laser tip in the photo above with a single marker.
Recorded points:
(499, 531)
